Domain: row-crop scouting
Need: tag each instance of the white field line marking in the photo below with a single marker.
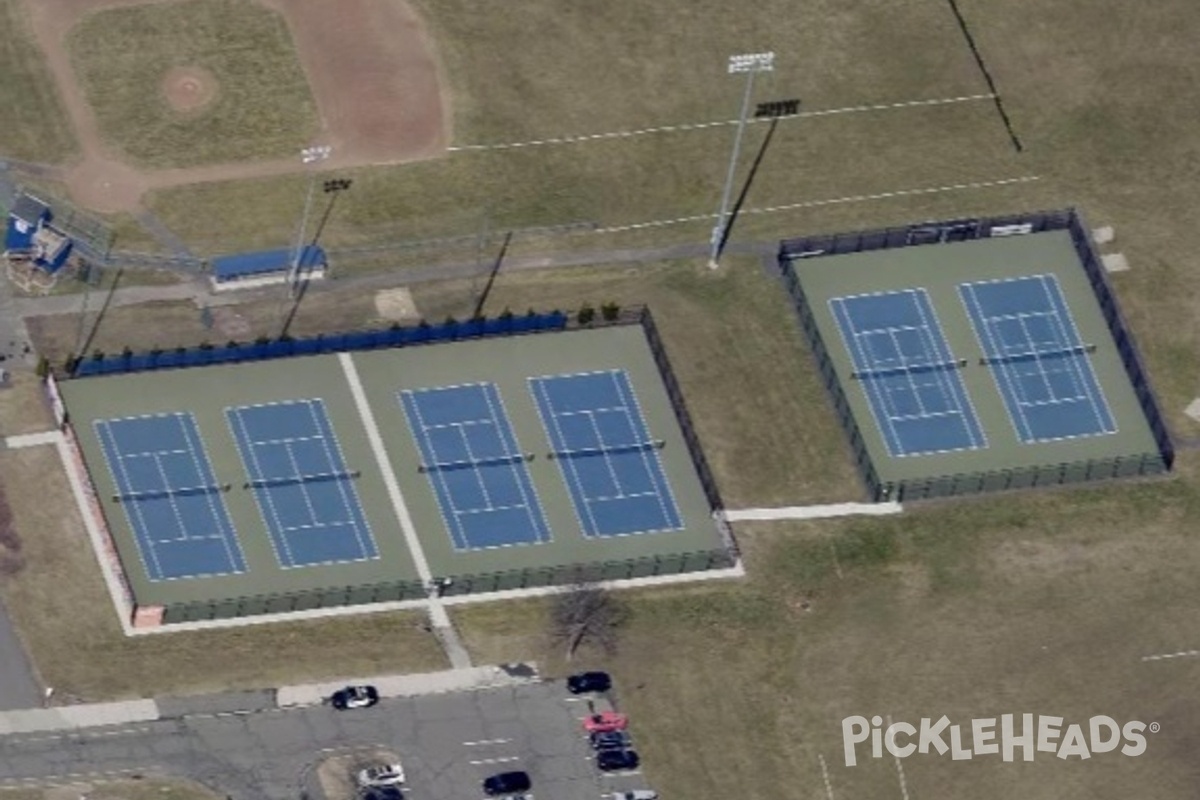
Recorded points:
(698, 126)
(899, 768)
(503, 760)
(1165, 656)
(486, 741)
(858, 198)
(825, 775)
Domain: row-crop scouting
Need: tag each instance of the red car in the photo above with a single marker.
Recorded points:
(605, 721)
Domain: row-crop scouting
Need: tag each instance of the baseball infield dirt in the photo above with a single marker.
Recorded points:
(369, 63)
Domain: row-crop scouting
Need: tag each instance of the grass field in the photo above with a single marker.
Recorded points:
(148, 788)
(971, 609)
(65, 617)
(35, 124)
(263, 106)
(1112, 132)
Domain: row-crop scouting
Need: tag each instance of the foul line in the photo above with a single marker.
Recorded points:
(857, 198)
(1165, 656)
(825, 775)
(899, 767)
(697, 126)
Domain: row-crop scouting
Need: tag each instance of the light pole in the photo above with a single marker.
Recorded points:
(309, 155)
(751, 64)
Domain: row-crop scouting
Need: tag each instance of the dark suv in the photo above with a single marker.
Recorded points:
(589, 682)
(507, 783)
(616, 760)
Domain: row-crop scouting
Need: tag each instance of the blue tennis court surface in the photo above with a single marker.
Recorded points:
(907, 372)
(475, 466)
(1038, 361)
(303, 488)
(611, 466)
(173, 501)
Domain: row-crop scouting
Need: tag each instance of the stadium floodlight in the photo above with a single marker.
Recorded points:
(309, 155)
(751, 64)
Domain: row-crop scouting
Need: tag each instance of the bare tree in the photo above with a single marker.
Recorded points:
(586, 613)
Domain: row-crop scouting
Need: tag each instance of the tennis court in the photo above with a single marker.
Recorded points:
(475, 466)
(1039, 362)
(171, 498)
(301, 483)
(606, 454)
(905, 367)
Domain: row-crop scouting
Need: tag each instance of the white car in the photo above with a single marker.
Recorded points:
(636, 794)
(380, 775)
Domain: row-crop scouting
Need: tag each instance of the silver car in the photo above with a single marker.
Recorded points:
(380, 775)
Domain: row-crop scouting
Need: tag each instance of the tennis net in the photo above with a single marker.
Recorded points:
(1037, 355)
(909, 369)
(159, 494)
(295, 480)
(447, 466)
(583, 452)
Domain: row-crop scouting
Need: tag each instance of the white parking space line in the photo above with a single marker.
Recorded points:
(483, 742)
(627, 774)
(503, 760)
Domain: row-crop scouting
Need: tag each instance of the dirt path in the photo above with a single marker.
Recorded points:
(369, 65)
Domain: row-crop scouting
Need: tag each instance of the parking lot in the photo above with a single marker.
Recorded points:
(450, 743)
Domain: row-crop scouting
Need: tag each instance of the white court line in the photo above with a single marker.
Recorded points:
(697, 126)
(1069, 331)
(952, 379)
(825, 776)
(1165, 656)
(899, 768)
(264, 500)
(147, 554)
(458, 534)
(385, 469)
(858, 198)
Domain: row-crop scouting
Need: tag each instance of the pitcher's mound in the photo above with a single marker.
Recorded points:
(189, 89)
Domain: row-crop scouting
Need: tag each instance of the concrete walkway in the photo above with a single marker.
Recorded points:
(91, 715)
(812, 512)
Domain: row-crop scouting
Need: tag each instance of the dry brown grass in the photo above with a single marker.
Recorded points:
(23, 406)
(148, 788)
(170, 324)
(1038, 602)
(64, 615)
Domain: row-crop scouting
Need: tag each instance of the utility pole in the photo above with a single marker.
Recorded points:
(751, 64)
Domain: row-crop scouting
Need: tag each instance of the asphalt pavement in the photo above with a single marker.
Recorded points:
(18, 687)
(447, 742)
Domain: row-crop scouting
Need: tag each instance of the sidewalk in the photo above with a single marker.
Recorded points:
(91, 715)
